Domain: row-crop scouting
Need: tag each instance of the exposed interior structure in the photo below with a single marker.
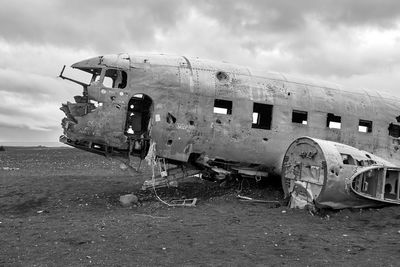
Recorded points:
(223, 106)
(137, 124)
(329, 174)
(299, 116)
(262, 116)
(333, 121)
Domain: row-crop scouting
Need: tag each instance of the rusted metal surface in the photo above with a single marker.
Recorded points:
(325, 173)
(173, 99)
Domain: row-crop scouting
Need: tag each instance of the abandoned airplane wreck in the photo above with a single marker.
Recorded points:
(222, 120)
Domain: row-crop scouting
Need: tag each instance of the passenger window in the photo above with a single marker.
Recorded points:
(262, 116)
(115, 78)
(394, 130)
(333, 121)
(365, 126)
(222, 106)
(299, 117)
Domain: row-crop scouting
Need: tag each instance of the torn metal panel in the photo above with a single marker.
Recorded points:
(330, 174)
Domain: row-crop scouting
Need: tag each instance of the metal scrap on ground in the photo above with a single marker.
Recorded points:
(249, 199)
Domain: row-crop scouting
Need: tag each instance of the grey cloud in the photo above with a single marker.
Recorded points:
(39, 87)
(287, 26)
(103, 25)
(107, 25)
(30, 100)
(128, 25)
(288, 15)
(262, 16)
(363, 13)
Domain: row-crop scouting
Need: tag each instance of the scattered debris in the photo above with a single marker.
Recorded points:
(154, 162)
(168, 177)
(42, 211)
(158, 183)
(188, 202)
(128, 200)
(10, 169)
(123, 166)
(151, 216)
(249, 199)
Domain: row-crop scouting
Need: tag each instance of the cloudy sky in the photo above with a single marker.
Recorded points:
(354, 43)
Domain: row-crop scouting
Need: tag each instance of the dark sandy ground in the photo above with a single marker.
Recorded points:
(59, 207)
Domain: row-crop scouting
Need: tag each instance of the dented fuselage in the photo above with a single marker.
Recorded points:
(208, 113)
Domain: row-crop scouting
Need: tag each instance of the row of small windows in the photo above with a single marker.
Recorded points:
(262, 117)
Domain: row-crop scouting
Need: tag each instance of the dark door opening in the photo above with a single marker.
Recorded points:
(137, 124)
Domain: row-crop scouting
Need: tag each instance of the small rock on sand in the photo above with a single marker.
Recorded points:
(128, 200)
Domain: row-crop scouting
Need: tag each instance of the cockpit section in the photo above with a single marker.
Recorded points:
(106, 118)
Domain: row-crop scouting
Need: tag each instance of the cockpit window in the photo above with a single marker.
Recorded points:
(115, 78)
(95, 75)
(86, 75)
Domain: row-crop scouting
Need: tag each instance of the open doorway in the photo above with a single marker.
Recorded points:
(137, 124)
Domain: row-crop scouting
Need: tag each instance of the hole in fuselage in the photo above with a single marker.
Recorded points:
(222, 76)
(170, 118)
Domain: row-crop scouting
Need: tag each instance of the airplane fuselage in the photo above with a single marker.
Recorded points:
(194, 108)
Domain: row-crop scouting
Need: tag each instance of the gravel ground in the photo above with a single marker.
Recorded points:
(59, 207)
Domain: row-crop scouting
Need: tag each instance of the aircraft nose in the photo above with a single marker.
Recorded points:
(87, 63)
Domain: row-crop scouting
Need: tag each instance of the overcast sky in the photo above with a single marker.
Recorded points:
(354, 43)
